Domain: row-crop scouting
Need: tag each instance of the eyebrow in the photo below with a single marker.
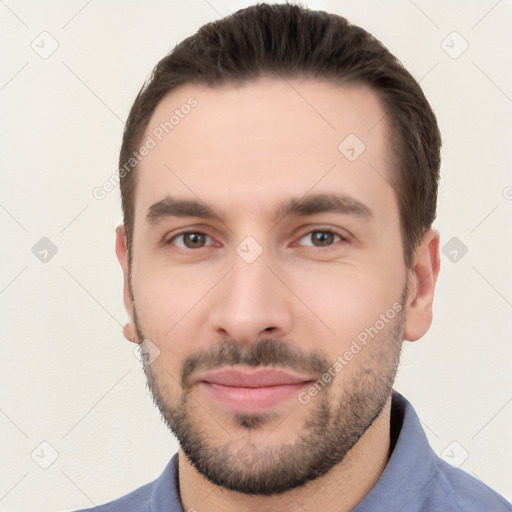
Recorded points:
(323, 203)
(303, 206)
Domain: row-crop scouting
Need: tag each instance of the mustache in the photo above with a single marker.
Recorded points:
(266, 352)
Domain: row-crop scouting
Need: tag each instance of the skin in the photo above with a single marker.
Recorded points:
(243, 151)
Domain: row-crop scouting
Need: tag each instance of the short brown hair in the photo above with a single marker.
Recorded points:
(288, 41)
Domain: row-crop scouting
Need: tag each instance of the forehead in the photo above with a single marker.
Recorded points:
(265, 138)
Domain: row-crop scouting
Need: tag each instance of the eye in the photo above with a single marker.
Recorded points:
(190, 240)
(320, 238)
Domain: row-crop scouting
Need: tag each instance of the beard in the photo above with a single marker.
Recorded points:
(334, 424)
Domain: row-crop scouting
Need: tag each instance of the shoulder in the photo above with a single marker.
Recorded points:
(416, 479)
(466, 493)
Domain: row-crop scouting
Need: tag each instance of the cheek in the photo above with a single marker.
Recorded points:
(363, 311)
(161, 297)
(171, 304)
(347, 301)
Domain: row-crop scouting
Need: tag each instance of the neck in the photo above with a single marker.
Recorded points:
(340, 490)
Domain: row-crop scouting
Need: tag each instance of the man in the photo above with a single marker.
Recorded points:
(279, 182)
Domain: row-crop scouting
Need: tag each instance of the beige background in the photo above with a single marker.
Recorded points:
(69, 378)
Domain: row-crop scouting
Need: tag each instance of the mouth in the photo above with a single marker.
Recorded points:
(251, 389)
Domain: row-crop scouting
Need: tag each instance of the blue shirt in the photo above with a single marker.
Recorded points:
(415, 479)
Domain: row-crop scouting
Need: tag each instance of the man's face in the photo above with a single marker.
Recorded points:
(265, 239)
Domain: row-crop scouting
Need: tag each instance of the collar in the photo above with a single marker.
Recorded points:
(411, 467)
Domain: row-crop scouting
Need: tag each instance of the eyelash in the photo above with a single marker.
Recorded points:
(341, 237)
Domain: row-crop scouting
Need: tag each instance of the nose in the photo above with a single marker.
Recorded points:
(251, 303)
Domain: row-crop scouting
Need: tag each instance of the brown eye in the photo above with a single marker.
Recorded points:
(190, 240)
(320, 238)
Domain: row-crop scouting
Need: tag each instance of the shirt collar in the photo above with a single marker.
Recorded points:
(411, 467)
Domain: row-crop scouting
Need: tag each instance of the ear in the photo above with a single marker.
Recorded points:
(421, 285)
(129, 330)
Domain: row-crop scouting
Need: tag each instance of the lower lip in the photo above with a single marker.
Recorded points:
(252, 399)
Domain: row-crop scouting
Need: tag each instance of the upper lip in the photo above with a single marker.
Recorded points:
(251, 378)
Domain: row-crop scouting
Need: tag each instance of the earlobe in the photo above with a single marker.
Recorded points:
(422, 282)
(130, 332)
(122, 256)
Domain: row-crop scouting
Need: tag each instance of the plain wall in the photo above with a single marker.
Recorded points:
(68, 376)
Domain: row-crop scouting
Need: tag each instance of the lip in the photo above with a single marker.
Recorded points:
(252, 390)
(252, 377)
